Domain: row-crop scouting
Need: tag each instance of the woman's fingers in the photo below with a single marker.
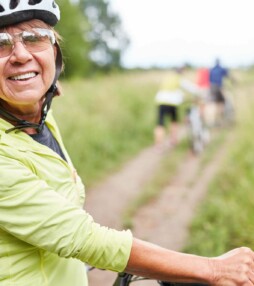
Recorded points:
(234, 268)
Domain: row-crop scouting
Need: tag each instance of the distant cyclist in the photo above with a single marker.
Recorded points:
(168, 99)
(203, 91)
(203, 82)
(216, 77)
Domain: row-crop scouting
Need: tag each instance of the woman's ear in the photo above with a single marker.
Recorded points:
(59, 90)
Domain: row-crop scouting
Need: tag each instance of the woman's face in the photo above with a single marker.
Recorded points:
(25, 77)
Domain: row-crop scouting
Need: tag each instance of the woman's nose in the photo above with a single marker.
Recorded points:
(20, 53)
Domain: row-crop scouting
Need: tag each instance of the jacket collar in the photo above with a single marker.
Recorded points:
(19, 139)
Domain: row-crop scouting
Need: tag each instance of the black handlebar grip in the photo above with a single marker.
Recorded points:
(181, 284)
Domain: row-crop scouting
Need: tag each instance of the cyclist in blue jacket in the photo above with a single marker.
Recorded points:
(216, 77)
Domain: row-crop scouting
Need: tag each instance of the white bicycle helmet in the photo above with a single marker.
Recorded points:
(16, 11)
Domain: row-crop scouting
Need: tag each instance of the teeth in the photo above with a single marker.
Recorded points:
(24, 76)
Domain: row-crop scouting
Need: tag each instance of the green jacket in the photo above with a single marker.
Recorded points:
(45, 235)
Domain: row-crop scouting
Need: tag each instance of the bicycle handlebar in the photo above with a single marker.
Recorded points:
(124, 279)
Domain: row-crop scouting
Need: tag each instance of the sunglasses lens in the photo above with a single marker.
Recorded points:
(5, 45)
(34, 41)
(38, 39)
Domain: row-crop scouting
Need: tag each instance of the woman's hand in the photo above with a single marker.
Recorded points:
(234, 268)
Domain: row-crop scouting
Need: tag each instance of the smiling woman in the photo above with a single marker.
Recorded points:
(33, 45)
(46, 236)
(26, 57)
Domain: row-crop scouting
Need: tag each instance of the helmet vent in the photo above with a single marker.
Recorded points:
(34, 2)
(1, 8)
(14, 4)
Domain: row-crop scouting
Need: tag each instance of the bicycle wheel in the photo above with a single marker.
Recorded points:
(229, 113)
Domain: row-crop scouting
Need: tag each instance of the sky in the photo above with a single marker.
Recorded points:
(173, 32)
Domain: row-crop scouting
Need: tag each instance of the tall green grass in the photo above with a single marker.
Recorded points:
(226, 218)
(106, 120)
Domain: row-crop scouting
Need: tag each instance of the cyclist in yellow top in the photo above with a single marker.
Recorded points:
(46, 236)
(168, 99)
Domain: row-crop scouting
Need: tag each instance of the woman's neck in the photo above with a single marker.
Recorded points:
(31, 114)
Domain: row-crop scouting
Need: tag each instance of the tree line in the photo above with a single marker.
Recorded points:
(93, 39)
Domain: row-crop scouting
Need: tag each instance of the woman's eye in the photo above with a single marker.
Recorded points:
(31, 39)
(5, 43)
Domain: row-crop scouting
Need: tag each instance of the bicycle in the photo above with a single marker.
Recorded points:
(198, 133)
(229, 116)
(125, 279)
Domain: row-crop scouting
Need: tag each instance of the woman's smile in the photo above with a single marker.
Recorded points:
(23, 76)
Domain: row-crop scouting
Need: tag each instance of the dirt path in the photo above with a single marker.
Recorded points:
(107, 201)
(165, 221)
(116, 192)
(170, 214)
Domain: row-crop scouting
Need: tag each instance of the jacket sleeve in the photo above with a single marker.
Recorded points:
(36, 214)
